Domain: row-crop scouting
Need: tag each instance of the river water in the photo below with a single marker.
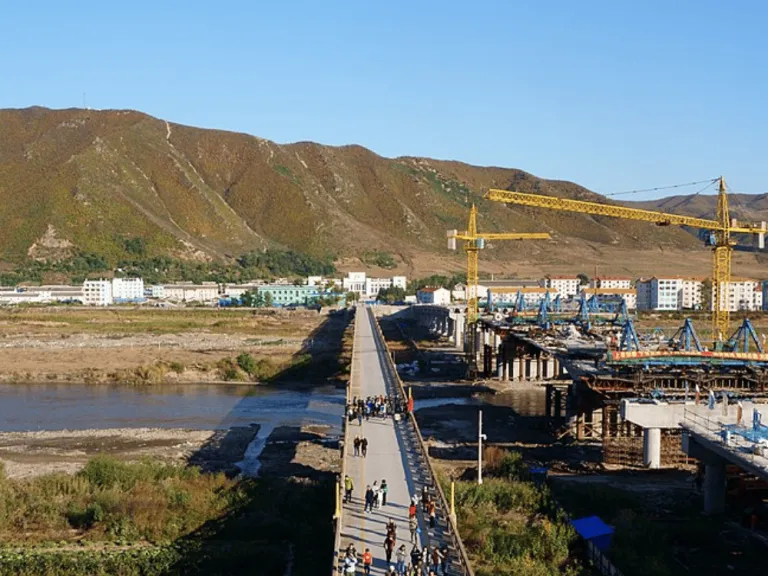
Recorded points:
(25, 407)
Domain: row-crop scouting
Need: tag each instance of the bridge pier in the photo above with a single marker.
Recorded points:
(652, 448)
(714, 487)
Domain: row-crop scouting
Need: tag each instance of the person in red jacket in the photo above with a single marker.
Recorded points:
(367, 561)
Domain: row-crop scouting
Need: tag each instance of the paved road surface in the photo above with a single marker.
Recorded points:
(389, 457)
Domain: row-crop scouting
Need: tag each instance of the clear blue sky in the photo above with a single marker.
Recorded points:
(612, 95)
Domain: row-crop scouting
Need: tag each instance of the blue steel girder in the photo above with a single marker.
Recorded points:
(740, 339)
(688, 338)
(629, 341)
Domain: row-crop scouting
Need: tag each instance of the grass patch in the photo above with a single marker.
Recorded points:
(152, 518)
(511, 527)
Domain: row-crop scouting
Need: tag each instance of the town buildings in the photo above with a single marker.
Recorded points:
(566, 286)
(669, 293)
(440, 296)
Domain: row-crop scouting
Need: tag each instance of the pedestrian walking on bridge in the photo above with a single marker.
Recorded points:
(364, 446)
(367, 561)
(348, 487)
(369, 497)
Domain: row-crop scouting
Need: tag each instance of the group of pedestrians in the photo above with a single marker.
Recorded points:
(375, 496)
(360, 445)
(373, 406)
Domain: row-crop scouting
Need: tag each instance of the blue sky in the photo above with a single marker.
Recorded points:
(612, 95)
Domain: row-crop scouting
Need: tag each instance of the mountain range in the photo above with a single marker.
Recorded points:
(91, 181)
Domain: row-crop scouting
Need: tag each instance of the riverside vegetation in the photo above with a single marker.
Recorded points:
(152, 518)
(511, 527)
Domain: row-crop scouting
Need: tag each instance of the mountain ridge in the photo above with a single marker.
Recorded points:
(85, 180)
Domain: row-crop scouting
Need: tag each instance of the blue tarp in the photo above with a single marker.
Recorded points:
(594, 529)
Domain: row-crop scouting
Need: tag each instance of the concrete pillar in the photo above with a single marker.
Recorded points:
(548, 400)
(714, 488)
(536, 367)
(558, 403)
(506, 359)
(652, 448)
(521, 367)
(517, 368)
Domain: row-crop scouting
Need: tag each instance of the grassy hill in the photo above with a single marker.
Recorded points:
(94, 181)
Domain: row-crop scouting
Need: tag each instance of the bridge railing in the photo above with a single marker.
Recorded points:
(338, 513)
(442, 502)
(736, 437)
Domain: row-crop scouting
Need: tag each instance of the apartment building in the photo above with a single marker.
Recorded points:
(566, 286)
(127, 290)
(741, 294)
(97, 292)
(611, 282)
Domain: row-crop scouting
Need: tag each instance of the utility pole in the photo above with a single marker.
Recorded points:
(480, 438)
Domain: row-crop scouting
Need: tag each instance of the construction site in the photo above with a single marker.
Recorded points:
(651, 398)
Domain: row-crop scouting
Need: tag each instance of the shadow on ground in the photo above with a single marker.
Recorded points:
(282, 519)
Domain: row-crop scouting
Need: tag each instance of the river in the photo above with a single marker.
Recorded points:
(31, 407)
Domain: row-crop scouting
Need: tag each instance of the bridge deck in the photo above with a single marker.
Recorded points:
(392, 455)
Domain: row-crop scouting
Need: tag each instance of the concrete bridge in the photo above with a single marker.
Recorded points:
(397, 454)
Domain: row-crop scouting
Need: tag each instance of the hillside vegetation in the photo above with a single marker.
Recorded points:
(116, 183)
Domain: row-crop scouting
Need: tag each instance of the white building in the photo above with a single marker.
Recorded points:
(11, 296)
(97, 292)
(156, 291)
(354, 282)
(207, 292)
(61, 292)
(669, 293)
(439, 296)
(532, 295)
(611, 282)
(127, 290)
(566, 286)
(369, 287)
(742, 294)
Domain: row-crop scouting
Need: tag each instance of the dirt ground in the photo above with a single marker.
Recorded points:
(96, 345)
(27, 454)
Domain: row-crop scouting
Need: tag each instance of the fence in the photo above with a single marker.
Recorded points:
(345, 439)
(742, 441)
(453, 532)
(600, 561)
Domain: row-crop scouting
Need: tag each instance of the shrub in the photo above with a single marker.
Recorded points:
(247, 363)
(177, 367)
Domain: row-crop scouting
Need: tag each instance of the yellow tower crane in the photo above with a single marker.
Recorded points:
(719, 236)
(473, 243)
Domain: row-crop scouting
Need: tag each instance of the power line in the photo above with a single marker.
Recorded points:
(708, 184)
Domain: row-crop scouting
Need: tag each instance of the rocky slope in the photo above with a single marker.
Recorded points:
(84, 180)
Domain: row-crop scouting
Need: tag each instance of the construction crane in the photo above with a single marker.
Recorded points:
(473, 243)
(719, 236)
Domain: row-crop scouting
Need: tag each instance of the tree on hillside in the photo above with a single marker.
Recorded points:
(583, 278)
(268, 299)
(391, 295)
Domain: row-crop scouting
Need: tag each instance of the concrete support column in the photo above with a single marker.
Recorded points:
(714, 488)
(517, 364)
(558, 403)
(536, 367)
(652, 448)
(521, 372)
(507, 356)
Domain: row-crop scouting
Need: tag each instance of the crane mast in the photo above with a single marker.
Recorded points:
(473, 243)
